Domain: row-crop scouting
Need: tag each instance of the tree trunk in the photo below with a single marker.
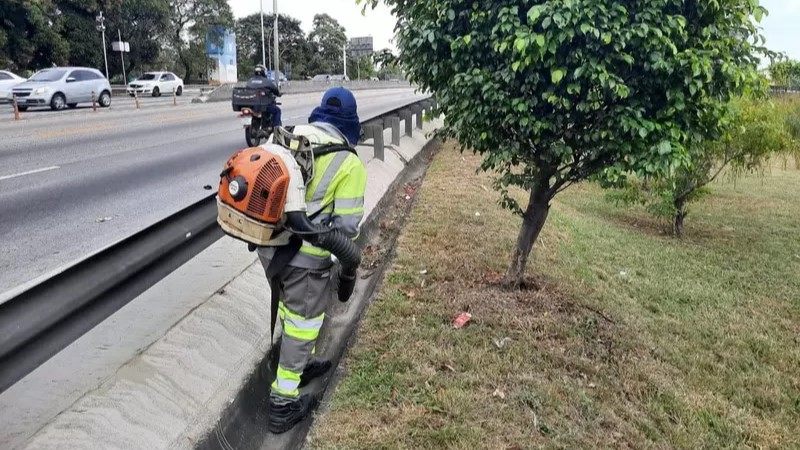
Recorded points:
(533, 220)
(680, 215)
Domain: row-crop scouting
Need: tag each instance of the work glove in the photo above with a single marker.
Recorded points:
(346, 282)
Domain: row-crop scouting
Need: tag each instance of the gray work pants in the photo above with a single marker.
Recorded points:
(304, 295)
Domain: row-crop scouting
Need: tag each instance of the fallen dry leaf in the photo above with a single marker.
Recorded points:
(498, 393)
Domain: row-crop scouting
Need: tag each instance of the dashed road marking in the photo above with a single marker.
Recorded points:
(30, 172)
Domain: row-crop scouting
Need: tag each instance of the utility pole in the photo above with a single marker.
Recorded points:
(122, 55)
(102, 28)
(277, 54)
(344, 59)
(263, 46)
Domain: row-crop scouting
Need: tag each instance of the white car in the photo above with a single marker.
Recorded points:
(7, 81)
(156, 84)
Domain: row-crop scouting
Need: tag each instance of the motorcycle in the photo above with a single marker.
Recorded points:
(257, 126)
(258, 111)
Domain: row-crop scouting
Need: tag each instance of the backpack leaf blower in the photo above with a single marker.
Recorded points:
(261, 200)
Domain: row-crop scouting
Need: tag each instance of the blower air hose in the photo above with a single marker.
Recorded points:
(326, 238)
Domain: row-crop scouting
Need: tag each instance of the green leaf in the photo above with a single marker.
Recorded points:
(515, 65)
(643, 132)
(520, 44)
(607, 38)
(758, 14)
(540, 40)
(467, 39)
(585, 27)
(664, 148)
(534, 13)
(556, 75)
(547, 22)
(524, 121)
(451, 15)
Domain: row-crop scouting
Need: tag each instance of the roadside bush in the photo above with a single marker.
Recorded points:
(757, 130)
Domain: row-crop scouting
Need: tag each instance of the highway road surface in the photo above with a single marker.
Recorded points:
(74, 182)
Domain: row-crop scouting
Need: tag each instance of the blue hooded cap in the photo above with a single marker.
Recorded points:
(339, 109)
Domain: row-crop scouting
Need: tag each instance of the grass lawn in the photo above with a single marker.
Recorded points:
(634, 339)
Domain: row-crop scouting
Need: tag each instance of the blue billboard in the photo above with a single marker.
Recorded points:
(221, 44)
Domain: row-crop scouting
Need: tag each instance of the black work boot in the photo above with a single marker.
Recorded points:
(314, 369)
(284, 416)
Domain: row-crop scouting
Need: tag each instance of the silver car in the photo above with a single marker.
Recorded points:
(62, 87)
(7, 81)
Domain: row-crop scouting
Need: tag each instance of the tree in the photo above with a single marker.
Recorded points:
(387, 62)
(29, 35)
(327, 40)
(553, 92)
(361, 67)
(145, 24)
(785, 73)
(293, 45)
(191, 22)
(756, 130)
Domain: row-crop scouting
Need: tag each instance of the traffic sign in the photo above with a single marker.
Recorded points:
(119, 46)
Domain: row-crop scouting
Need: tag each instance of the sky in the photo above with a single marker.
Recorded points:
(781, 27)
(378, 23)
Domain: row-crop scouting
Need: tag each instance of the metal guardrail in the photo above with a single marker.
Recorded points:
(41, 321)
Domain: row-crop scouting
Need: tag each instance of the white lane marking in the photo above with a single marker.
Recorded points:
(30, 172)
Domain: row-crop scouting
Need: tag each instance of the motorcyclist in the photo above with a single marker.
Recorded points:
(260, 81)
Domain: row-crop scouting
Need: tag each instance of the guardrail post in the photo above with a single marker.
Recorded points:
(406, 116)
(16, 107)
(394, 123)
(375, 131)
(174, 98)
(136, 99)
(94, 102)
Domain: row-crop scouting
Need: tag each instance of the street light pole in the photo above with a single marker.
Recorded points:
(101, 26)
(344, 59)
(277, 54)
(263, 46)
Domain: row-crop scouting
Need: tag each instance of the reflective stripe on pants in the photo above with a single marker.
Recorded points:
(306, 294)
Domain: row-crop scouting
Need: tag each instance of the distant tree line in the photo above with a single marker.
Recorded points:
(168, 35)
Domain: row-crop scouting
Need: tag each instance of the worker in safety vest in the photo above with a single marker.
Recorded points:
(306, 284)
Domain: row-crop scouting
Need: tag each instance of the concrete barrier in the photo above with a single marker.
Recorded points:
(202, 381)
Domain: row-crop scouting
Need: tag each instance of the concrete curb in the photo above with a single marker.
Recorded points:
(208, 371)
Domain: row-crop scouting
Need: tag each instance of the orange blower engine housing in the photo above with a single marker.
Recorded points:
(252, 195)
